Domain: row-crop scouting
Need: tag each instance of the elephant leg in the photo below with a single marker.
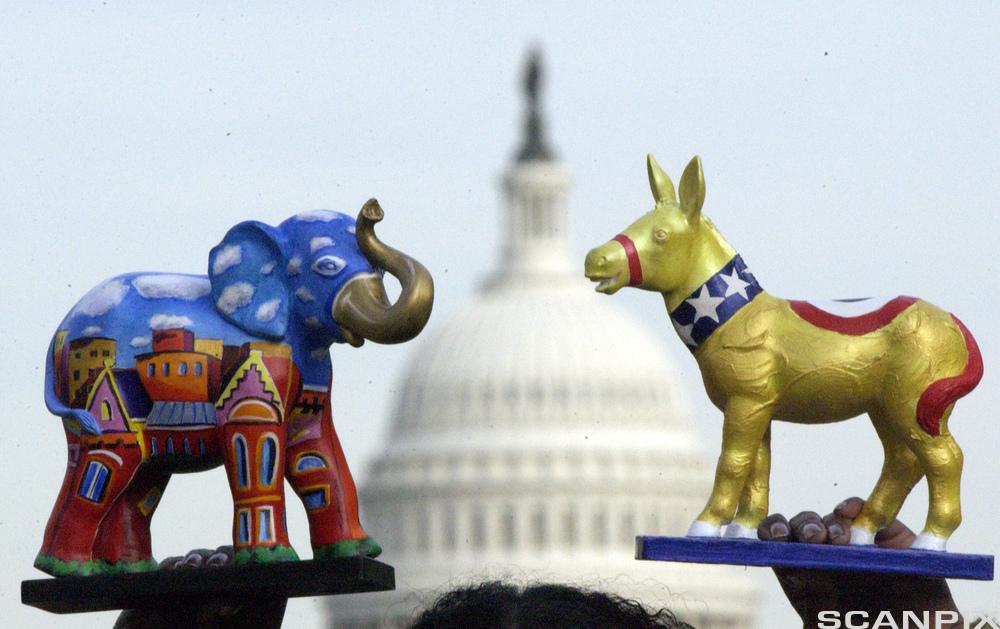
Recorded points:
(254, 460)
(318, 471)
(100, 475)
(123, 537)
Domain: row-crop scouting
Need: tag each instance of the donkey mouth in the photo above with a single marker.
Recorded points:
(607, 285)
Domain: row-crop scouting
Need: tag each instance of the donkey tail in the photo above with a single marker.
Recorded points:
(942, 393)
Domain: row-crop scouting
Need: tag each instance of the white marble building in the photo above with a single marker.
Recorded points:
(536, 434)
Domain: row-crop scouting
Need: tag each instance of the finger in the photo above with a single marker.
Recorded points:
(849, 509)
(838, 531)
(808, 527)
(896, 535)
(774, 528)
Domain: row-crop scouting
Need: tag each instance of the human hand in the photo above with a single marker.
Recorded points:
(813, 591)
(204, 614)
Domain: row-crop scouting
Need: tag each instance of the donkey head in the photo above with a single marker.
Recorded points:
(660, 250)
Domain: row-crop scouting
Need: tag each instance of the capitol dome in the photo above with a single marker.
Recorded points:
(537, 432)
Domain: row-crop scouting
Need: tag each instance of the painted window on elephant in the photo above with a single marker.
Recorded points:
(105, 411)
(265, 524)
(268, 457)
(242, 472)
(182, 369)
(151, 369)
(149, 502)
(243, 526)
(309, 461)
(314, 499)
(95, 482)
(197, 369)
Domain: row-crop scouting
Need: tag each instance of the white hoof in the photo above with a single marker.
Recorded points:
(861, 537)
(738, 531)
(927, 541)
(700, 528)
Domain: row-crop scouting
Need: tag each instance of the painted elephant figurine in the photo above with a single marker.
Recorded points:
(157, 373)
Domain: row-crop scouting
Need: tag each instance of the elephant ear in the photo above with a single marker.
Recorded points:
(249, 284)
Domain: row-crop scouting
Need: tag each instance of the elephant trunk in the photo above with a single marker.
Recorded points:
(362, 307)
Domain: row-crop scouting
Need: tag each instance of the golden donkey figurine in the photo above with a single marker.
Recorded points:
(901, 360)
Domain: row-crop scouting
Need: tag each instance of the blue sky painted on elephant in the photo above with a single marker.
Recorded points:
(260, 279)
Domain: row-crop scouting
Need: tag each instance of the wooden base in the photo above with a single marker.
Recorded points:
(165, 591)
(745, 552)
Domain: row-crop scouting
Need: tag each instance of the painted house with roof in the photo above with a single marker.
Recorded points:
(251, 410)
(118, 400)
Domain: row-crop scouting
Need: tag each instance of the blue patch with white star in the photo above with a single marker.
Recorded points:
(714, 303)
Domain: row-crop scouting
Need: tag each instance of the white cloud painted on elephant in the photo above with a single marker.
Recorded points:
(91, 330)
(268, 267)
(350, 230)
(102, 298)
(320, 242)
(139, 341)
(294, 266)
(305, 295)
(228, 257)
(235, 296)
(186, 287)
(166, 321)
(322, 216)
(268, 310)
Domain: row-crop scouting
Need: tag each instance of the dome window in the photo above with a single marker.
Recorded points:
(508, 527)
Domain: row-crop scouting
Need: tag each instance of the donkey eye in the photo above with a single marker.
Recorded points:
(328, 265)
(660, 235)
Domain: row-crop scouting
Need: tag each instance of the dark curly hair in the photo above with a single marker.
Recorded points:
(498, 605)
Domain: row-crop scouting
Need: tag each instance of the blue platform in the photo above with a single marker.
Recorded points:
(746, 552)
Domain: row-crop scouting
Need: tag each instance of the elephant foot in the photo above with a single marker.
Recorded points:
(62, 568)
(366, 547)
(264, 554)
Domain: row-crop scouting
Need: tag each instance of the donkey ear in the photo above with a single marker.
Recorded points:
(249, 287)
(659, 182)
(693, 189)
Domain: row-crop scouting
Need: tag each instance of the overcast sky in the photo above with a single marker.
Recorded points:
(847, 152)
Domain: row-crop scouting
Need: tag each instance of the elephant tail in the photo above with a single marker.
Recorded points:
(85, 421)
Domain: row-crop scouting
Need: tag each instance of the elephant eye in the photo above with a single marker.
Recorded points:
(328, 265)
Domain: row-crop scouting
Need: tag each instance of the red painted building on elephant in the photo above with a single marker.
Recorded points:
(185, 406)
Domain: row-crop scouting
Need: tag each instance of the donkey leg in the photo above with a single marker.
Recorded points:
(753, 503)
(942, 461)
(901, 470)
(742, 433)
